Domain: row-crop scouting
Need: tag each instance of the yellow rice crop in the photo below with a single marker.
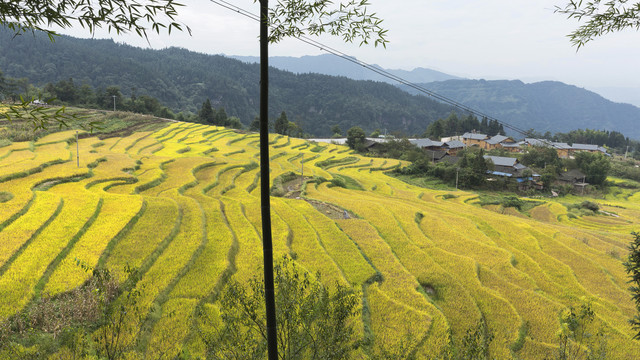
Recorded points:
(155, 224)
(339, 246)
(62, 136)
(17, 283)
(17, 233)
(305, 244)
(130, 141)
(214, 257)
(171, 329)
(177, 254)
(249, 257)
(116, 212)
(12, 162)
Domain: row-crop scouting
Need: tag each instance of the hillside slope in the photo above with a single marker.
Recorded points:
(332, 65)
(544, 106)
(182, 205)
(183, 80)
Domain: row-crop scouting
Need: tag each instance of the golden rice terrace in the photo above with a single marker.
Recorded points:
(182, 205)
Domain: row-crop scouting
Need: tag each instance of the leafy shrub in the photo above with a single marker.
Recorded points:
(590, 206)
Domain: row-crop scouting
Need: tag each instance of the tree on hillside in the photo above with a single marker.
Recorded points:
(601, 16)
(116, 15)
(540, 157)
(255, 124)
(632, 266)
(221, 117)
(313, 322)
(594, 165)
(282, 124)
(355, 138)
(336, 131)
(206, 114)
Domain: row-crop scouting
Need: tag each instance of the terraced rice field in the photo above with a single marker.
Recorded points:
(181, 204)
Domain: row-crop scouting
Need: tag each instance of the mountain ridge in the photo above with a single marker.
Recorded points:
(183, 80)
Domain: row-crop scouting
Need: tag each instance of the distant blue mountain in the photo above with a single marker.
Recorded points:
(335, 66)
(544, 106)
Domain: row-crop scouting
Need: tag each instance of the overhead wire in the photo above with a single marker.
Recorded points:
(378, 70)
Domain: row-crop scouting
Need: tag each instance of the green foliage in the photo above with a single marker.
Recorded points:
(611, 139)
(540, 157)
(595, 166)
(255, 124)
(312, 322)
(5, 196)
(475, 344)
(277, 188)
(206, 114)
(453, 125)
(335, 129)
(234, 122)
(599, 17)
(576, 338)
(117, 15)
(99, 319)
(347, 19)
(589, 205)
(522, 337)
(281, 125)
(632, 266)
(356, 138)
(229, 83)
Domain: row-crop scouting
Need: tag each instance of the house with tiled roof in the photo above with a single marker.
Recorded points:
(474, 139)
(511, 168)
(497, 141)
(587, 147)
(453, 146)
(427, 144)
(514, 147)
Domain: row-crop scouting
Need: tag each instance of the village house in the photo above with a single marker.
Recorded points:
(450, 147)
(497, 142)
(511, 168)
(514, 147)
(427, 144)
(563, 149)
(588, 148)
(453, 146)
(474, 139)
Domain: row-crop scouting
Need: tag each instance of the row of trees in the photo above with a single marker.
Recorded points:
(454, 125)
(68, 92)
(613, 140)
(211, 116)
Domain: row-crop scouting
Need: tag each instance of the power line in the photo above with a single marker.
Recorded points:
(377, 70)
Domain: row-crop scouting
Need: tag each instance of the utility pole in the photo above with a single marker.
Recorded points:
(301, 171)
(77, 149)
(457, 169)
(584, 179)
(114, 103)
(625, 152)
(265, 200)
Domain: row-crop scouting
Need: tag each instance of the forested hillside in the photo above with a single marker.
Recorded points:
(183, 80)
(328, 64)
(544, 106)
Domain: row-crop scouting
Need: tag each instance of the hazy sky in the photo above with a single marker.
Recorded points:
(490, 39)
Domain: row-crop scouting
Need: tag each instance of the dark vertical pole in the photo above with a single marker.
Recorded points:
(77, 149)
(267, 247)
